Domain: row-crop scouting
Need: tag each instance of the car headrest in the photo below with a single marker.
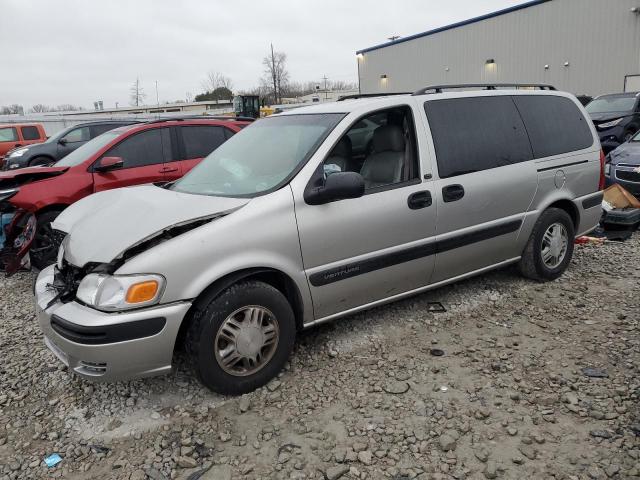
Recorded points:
(343, 148)
(388, 138)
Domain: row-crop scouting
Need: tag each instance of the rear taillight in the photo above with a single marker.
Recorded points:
(601, 183)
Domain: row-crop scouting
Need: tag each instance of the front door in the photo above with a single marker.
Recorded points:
(358, 251)
(145, 155)
(72, 140)
(486, 181)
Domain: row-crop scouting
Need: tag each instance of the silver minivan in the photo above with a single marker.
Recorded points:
(287, 225)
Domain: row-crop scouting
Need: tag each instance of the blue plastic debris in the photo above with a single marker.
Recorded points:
(52, 460)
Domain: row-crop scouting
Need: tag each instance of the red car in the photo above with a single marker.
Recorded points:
(157, 151)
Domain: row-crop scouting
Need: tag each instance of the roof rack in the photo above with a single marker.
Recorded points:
(484, 86)
(369, 95)
(201, 117)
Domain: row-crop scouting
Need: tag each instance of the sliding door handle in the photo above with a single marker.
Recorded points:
(452, 193)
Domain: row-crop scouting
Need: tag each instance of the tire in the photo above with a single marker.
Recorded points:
(206, 339)
(40, 161)
(44, 249)
(532, 264)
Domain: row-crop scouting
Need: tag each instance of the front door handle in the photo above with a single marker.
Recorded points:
(419, 200)
(169, 169)
(452, 193)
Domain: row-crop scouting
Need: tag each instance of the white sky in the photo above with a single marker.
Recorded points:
(79, 51)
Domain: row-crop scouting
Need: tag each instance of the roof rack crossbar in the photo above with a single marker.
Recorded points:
(484, 86)
(370, 95)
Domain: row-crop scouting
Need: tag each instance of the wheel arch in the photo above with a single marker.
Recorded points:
(569, 207)
(42, 155)
(276, 278)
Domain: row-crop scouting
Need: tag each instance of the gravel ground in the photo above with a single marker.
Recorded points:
(536, 381)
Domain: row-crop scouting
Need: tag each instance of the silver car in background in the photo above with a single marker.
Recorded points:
(286, 226)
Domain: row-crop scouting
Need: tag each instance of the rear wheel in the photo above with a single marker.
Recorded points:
(242, 338)
(550, 246)
(44, 248)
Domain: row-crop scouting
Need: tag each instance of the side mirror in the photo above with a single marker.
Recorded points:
(62, 141)
(106, 164)
(337, 186)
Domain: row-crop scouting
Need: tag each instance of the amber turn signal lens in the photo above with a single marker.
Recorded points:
(142, 292)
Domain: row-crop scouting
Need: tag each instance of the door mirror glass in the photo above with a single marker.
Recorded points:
(106, 164)
(337, 186)
(62, 141)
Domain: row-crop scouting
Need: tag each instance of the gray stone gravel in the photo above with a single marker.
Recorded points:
(363, 397)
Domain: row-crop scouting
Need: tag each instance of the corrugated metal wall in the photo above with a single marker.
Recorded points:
(599, 38)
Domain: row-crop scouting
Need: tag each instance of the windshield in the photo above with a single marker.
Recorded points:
(611, 104)
(260, 157)
(80, 154)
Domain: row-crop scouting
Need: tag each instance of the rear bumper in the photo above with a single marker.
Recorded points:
(589, 212)
(108, 346)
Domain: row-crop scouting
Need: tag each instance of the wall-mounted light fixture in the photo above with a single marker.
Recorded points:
(490, 61)
(383, 76)
(566, 64)
(360, 56)
(636, 10)
(546, 67)
(446, 69)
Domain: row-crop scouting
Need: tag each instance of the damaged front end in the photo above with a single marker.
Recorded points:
(18, 237)
(67, 277)
(18, 231)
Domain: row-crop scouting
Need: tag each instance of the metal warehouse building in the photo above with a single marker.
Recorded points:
(589, 47)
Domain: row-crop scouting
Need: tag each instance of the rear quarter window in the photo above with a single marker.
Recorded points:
(30, 133)
(477, 133)
(555, 124)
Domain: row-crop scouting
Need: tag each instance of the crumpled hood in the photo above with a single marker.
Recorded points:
(626, 153)
(104, 225)
(607, 116)
(20, 176)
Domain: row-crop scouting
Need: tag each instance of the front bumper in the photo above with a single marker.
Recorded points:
(79, 344)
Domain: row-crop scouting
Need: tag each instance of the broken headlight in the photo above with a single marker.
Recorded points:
(120, 292)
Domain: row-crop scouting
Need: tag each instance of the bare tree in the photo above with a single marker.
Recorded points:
(276, 73)
(14, 109)
(66, 107)
(137, 94)
(216, 80)
(40, 108)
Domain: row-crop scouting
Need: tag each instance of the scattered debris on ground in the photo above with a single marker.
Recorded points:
(538, 381)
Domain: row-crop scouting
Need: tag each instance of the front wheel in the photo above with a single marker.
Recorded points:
(550, 246)
(45, 245)
(242, 338)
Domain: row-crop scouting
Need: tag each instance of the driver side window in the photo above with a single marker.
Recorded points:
(77, 135)
(381, 147)
(145, 148)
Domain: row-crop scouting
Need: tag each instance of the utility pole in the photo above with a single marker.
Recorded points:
(325, 86)
(157, 97)
(116, 105)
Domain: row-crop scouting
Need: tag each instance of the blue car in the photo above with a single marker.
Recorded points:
(623, 165)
